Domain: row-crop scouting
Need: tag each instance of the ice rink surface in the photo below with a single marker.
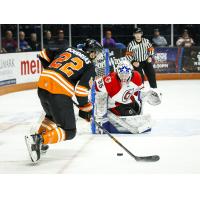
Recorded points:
(175, 137)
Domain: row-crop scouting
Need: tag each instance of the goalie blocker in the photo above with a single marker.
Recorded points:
(119, 98)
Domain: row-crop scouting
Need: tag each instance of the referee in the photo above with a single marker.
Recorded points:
(139, 53)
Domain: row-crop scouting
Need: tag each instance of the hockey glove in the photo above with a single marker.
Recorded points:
(85, 115)
(154, 97)
(85, 112)
(151, 96)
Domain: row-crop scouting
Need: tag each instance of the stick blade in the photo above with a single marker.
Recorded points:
(153, 158)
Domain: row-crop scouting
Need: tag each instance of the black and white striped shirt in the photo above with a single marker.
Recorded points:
(141, 50)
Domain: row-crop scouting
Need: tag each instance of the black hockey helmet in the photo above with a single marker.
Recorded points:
(91, 45)
(137, 30)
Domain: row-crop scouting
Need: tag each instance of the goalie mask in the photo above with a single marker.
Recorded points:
(124, 72)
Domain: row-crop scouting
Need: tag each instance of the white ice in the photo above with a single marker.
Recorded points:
(175, 137)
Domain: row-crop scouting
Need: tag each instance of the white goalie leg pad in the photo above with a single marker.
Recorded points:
(101, 104)
(142, 122)
(138, 120)
(134, 124)
(100, 109)
(101, 121)
(116, 119)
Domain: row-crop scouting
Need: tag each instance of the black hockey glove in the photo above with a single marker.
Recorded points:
(85, 115)
(85, 111)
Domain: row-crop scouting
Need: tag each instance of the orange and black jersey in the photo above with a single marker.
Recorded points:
(69, 72)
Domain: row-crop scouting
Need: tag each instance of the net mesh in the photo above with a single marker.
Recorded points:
(102, 68)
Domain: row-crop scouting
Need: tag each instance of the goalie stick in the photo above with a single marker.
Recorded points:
(153, 158)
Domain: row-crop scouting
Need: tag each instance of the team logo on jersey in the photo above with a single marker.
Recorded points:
(108, 79)
(131, 111)
(127, 94)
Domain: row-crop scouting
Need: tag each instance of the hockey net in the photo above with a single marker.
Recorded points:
(102, 68)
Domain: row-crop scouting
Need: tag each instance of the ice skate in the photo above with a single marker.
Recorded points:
(44, 148)
(34, 145)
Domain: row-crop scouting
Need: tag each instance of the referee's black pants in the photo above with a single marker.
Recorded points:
(149, 72)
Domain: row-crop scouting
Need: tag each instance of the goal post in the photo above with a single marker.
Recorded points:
(102, 69)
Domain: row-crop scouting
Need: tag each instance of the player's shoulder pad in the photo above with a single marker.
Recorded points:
(43, 54)
(136, 74)
(102, 84)
(110, 79)
(99, 85)
(136, 78)
(80, 54)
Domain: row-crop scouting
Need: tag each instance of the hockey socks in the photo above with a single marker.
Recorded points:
(54, 136)
(51, 134)
(46, 125)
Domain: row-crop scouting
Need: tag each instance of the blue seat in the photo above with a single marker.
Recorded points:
(120, 46)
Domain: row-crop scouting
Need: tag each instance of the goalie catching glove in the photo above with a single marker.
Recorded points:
(85, 112)
(152, 96)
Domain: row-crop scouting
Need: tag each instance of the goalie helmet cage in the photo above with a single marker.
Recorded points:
(101, 70)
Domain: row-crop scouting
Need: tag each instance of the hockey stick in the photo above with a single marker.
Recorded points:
(153, 158)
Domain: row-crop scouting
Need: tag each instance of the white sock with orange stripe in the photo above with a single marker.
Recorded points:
(54, 136)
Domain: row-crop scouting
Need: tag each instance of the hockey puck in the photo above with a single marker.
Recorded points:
(119, 154)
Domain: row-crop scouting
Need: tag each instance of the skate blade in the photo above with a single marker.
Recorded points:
(43, 151)
(33, 155)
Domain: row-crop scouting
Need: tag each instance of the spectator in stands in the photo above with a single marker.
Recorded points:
(24, 46)
(34, 44)
(185, 40)
(108, 41)
(9, 44)
(61, 43)
(48, 41)
(158, 40)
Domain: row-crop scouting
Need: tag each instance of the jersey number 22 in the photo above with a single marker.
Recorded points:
(75, 65)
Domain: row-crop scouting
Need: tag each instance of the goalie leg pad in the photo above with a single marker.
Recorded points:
(101, 104)
(134, 124)
(138, 120)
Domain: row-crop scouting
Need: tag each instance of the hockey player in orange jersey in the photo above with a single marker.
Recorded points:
(67, 73)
